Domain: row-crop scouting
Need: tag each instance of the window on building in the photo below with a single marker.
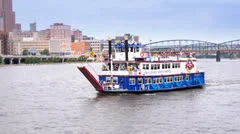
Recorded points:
(131, 81)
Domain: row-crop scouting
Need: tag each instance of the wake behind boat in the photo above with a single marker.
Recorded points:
(134, 69)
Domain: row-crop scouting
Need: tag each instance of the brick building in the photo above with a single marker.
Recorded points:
(61, 33)
(7, 16)
(3, 42)
(80, 47)
(77, 35)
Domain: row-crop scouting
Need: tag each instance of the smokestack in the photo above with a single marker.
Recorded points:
(109, 51)
(126, 47)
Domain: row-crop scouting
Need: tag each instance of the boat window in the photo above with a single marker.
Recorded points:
(152, 66)
(137, 49)
(131, 81)
(145, 66)
(108, 79)
(178, 78)
(169, 65)
(131, 49)
(157, 80)
(166, 66)
(187, 78)
(115, 79)
(140, 81)
(168, 79)
(148, 80)
(175, 65)
(178, 65)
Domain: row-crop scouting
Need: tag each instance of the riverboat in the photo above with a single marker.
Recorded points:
(132, 68)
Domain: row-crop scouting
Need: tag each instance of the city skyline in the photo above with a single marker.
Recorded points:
(153, 20)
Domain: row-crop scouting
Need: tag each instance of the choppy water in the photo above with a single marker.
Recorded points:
(57, 99)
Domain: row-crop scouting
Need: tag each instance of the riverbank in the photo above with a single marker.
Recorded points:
(37, 60)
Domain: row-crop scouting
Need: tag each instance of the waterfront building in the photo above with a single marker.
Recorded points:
(60, 33)
(95, 44)
(4, 40)
(35, 46)
(79, 48)
(7, 16)
(33, 27)
(76, 35)
(18, 27)
(55, 47)
(44, 34)
(104, 45)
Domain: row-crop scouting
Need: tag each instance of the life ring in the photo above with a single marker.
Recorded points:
(142, 54)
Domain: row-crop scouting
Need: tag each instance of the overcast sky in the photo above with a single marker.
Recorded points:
(209, 20)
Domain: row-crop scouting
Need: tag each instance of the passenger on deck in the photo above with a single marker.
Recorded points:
(116, 67)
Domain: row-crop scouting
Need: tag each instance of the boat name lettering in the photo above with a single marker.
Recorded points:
(158, 72)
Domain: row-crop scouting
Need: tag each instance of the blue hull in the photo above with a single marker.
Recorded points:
(149, 84)
(151, 91)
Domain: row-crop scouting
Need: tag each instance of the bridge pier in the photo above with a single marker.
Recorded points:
(19, 60)
(3, 61)
(218, 56)
(11, 61)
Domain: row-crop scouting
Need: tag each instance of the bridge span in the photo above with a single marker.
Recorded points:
(197, 46)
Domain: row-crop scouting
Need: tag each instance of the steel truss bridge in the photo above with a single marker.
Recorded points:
(197, 46)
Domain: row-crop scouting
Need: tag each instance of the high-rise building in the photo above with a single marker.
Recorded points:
(3, 40)
(18, 27)
(76, 35)
(33, 27)
(44, 35)
(7, 16)
(61, 33)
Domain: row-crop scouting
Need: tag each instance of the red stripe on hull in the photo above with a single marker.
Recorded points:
(91, 78)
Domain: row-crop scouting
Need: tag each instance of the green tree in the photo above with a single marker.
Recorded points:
(25, 52)
(0, 60)
(45, 52)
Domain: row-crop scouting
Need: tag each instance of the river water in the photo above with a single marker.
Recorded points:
(57, 99)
